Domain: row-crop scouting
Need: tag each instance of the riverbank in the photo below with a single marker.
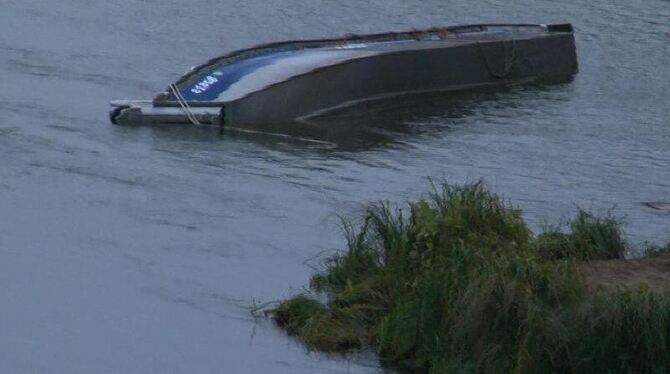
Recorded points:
(458, 282)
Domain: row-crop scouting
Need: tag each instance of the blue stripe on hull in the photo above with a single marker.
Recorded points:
(211, 85)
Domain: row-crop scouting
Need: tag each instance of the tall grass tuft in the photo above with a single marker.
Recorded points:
(456, 282)
(589, 238)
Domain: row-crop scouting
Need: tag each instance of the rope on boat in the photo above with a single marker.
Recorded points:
(184, 105)
(509, 61)
(194, 120)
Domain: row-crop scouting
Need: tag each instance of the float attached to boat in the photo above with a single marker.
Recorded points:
(298, 80)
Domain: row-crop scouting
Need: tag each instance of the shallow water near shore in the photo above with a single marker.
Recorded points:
(142, 249)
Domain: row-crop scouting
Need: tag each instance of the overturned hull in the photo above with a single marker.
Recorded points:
(298, 80)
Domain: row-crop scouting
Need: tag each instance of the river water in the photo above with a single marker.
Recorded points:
(140, 250)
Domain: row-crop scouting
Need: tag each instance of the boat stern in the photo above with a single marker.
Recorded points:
(144, 112)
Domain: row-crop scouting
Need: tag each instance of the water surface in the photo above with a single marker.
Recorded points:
(140, 249)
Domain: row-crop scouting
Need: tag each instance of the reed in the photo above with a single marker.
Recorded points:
(457, 282)
(589, 237)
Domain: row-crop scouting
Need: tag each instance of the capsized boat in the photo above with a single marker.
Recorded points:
(299, 80)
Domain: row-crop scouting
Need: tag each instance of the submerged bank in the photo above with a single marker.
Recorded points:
(458, 282)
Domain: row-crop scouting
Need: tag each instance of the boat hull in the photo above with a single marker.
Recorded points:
(452, 63)
(407, 73)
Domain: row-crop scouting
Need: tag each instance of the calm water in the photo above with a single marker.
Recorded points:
(139, 250)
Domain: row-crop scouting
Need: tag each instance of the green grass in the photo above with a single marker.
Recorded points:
(458, 283)
(589, 238)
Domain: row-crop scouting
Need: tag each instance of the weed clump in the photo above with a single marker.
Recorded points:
(308, 319)
(457, 282)
(589, 238)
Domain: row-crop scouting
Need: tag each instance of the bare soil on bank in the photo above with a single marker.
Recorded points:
(652, 273)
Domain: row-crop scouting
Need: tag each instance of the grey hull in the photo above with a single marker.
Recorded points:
(453, 63)
(404, 73)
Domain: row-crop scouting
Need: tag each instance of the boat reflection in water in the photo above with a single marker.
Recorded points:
(391, 122)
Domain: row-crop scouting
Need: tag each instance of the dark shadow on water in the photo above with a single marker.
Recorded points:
(390, 123)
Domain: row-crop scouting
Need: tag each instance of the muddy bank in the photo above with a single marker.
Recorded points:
(645, 273)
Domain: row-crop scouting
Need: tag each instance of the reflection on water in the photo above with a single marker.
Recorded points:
(140, 249)
(394, 122)
(368, 126)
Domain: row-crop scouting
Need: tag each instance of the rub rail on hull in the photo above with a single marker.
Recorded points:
(297, 80)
